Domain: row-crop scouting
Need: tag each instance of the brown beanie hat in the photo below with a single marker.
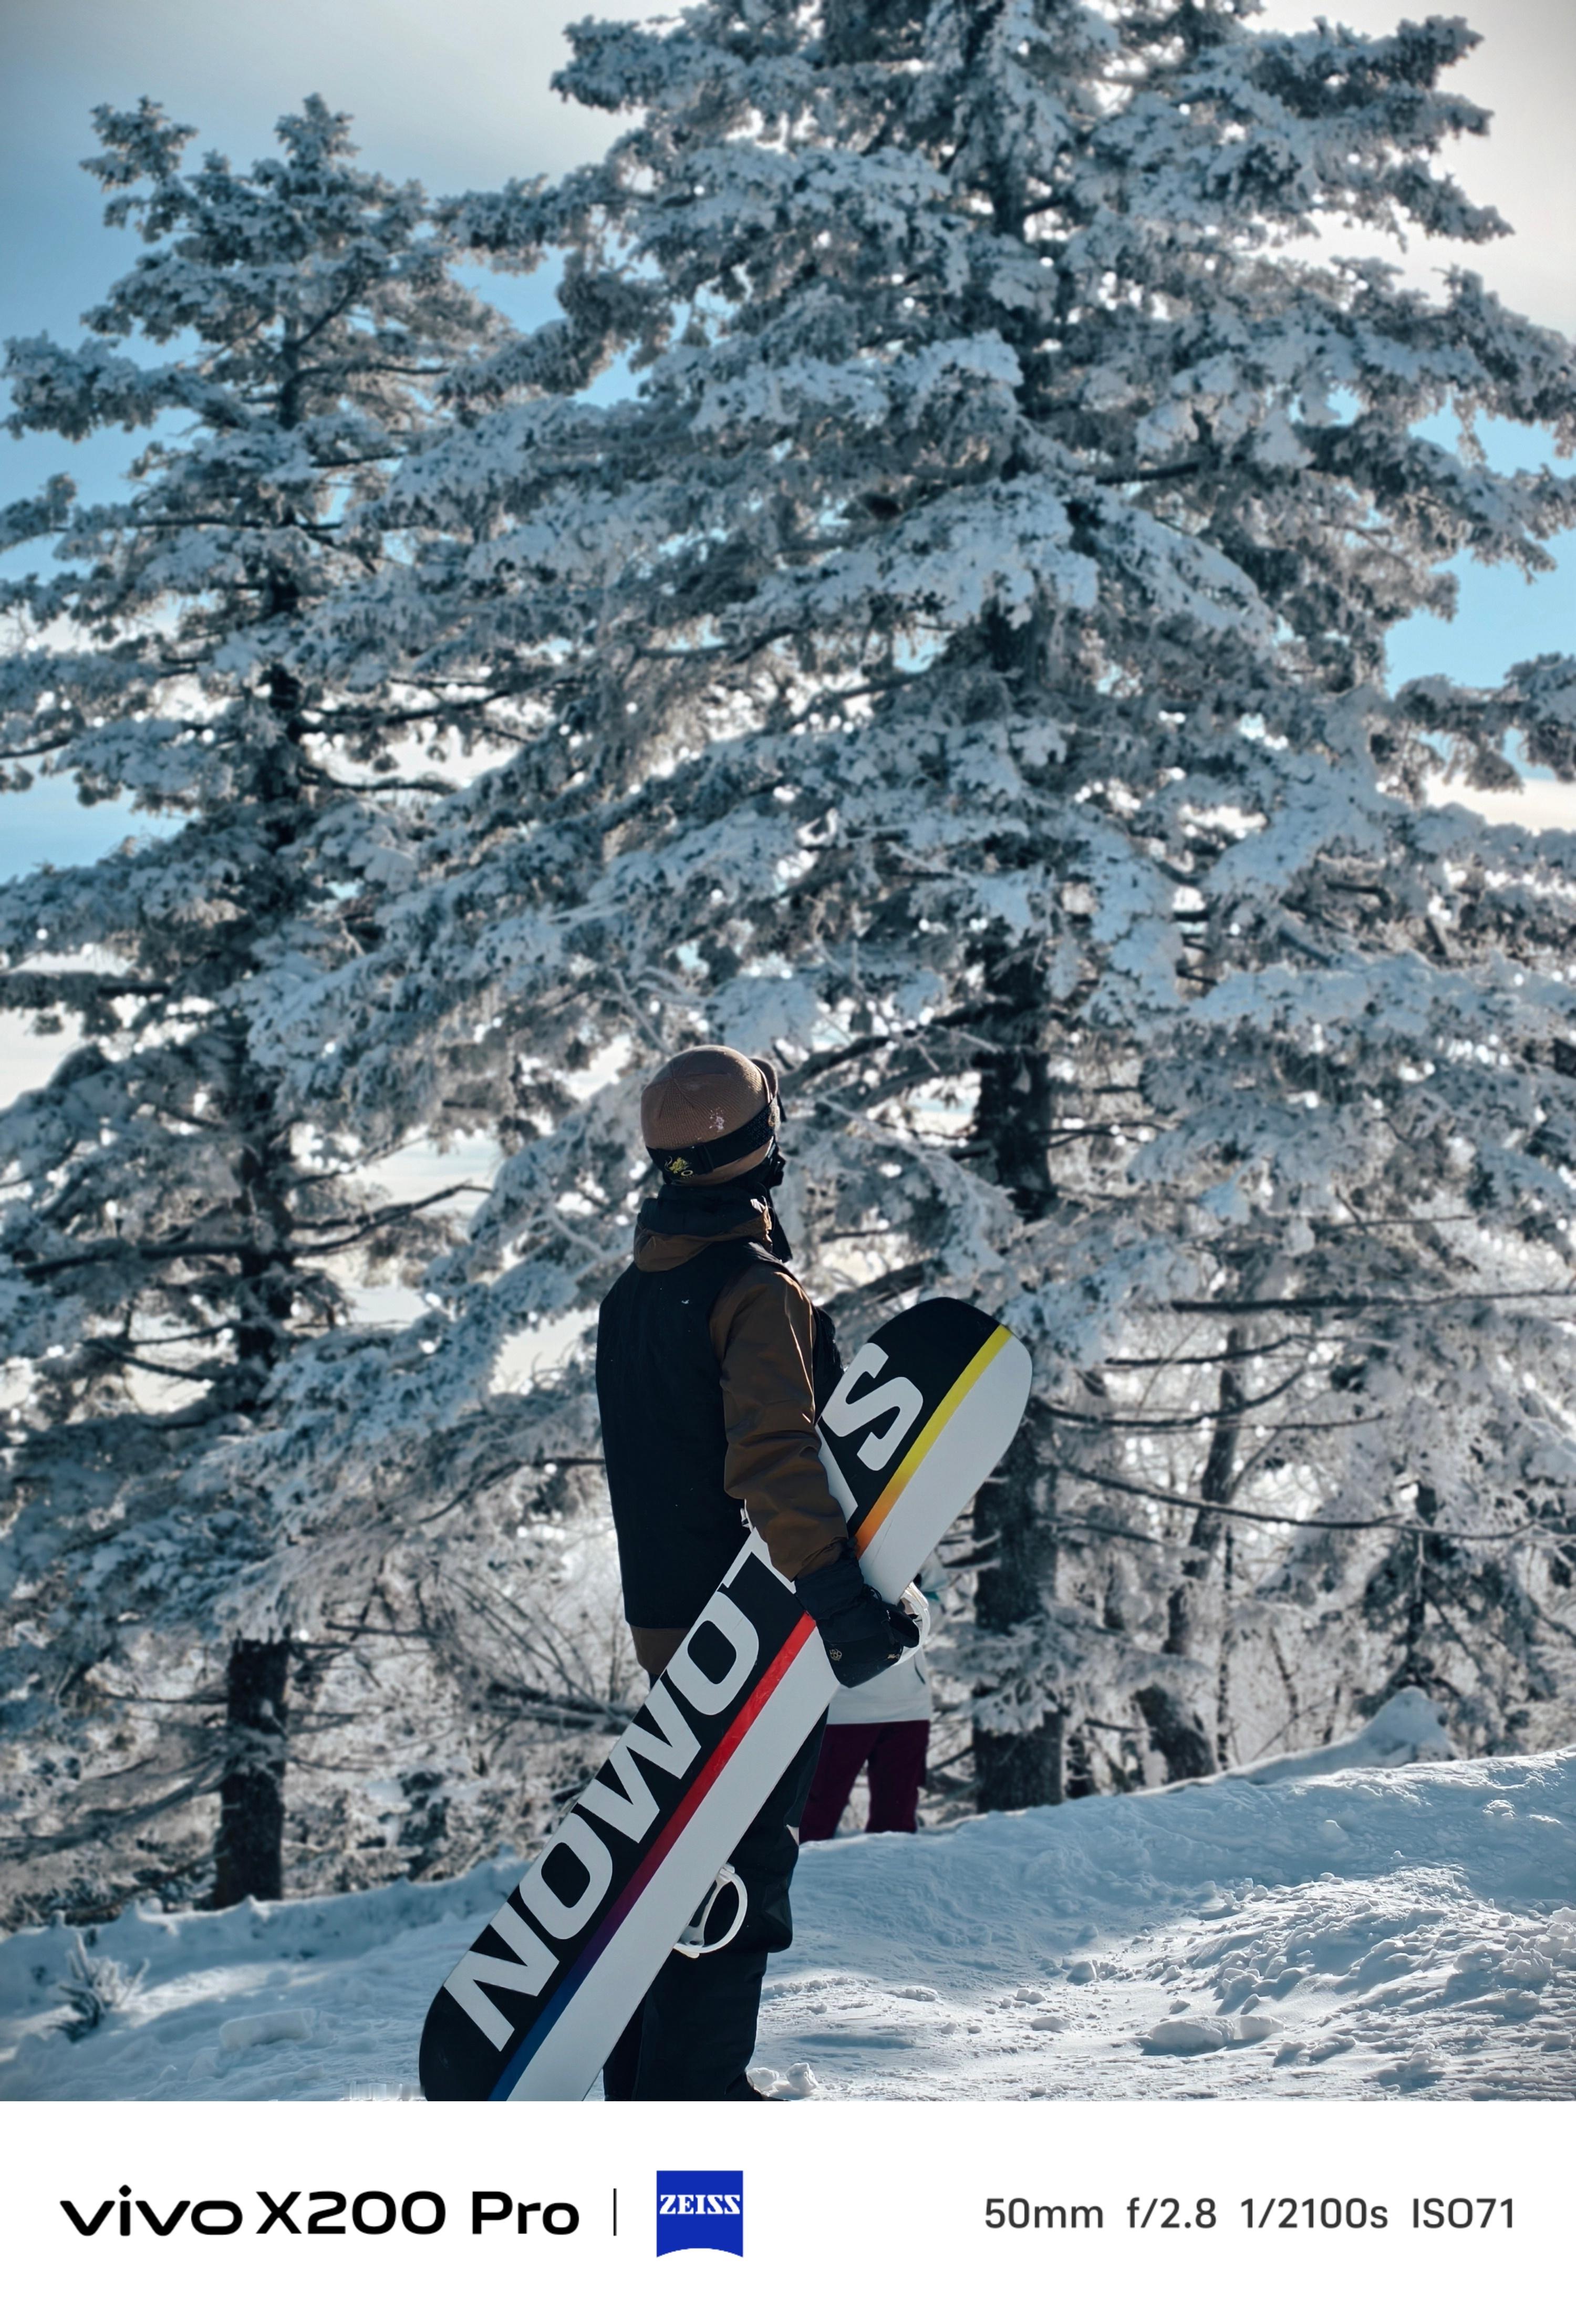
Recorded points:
(694, 1113)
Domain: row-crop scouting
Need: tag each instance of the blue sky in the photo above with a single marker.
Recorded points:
(457, 93)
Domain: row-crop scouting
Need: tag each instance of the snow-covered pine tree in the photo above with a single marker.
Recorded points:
(961, 666)
(178, 1196)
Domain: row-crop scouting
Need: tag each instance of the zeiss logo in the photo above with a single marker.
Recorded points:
(700, 2210)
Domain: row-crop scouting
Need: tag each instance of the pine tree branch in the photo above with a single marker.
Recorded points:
(117, 1352)
(107, 1822)
(108, 1250)
(509, 1469)
(1233, 1512)
(1211, 1356)
(433, 786)
(1354, 1303)
(1139, 1422)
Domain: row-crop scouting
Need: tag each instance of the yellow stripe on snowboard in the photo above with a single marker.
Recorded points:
(902, 1476)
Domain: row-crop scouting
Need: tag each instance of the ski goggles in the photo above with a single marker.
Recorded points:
(677, 1163)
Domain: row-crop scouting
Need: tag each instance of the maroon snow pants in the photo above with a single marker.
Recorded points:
(895, 1753)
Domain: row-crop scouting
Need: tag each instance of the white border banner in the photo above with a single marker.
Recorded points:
(1104, 2211)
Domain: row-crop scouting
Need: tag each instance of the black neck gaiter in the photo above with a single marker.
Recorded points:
(713, 1210)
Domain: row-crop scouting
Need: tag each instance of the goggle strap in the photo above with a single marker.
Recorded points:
(677, 1163)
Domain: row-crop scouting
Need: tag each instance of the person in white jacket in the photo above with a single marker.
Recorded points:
(884, 1727)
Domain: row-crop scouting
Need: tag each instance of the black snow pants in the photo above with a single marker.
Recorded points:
(694, 2034)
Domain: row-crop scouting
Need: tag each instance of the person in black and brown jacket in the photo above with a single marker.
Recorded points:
(710, 1363)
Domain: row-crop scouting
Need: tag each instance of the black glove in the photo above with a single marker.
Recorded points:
(862, 1634)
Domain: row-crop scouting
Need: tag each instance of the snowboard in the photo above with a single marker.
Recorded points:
(921, 1415)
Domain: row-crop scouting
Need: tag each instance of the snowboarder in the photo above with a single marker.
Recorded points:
(710, 1363)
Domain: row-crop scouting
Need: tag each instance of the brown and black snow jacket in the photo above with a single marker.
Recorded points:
(711, 1363)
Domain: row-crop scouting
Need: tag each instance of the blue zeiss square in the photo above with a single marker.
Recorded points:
(700, 2210)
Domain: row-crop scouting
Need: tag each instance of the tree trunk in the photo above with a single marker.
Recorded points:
(1014, 1121)
(1215, 1488)
(248, 1847)
(1012, 1512)
(1077, 1765)
(1224, 1730)
(248, 1854)
(1175, 1729)
(1177, 1733)
(1013, 1515)
(1020, 1771)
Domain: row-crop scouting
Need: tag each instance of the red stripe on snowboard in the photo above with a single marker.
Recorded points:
(745, 1718)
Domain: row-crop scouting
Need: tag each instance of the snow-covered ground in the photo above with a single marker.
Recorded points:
(1392, 1931)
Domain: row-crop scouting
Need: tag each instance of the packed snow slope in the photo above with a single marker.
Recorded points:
(1381, 1933)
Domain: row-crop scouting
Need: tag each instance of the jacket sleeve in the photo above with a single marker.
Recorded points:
(762, 1333)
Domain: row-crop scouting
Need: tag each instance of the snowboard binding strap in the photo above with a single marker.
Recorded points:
(915, 1603)
(692, 1942)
